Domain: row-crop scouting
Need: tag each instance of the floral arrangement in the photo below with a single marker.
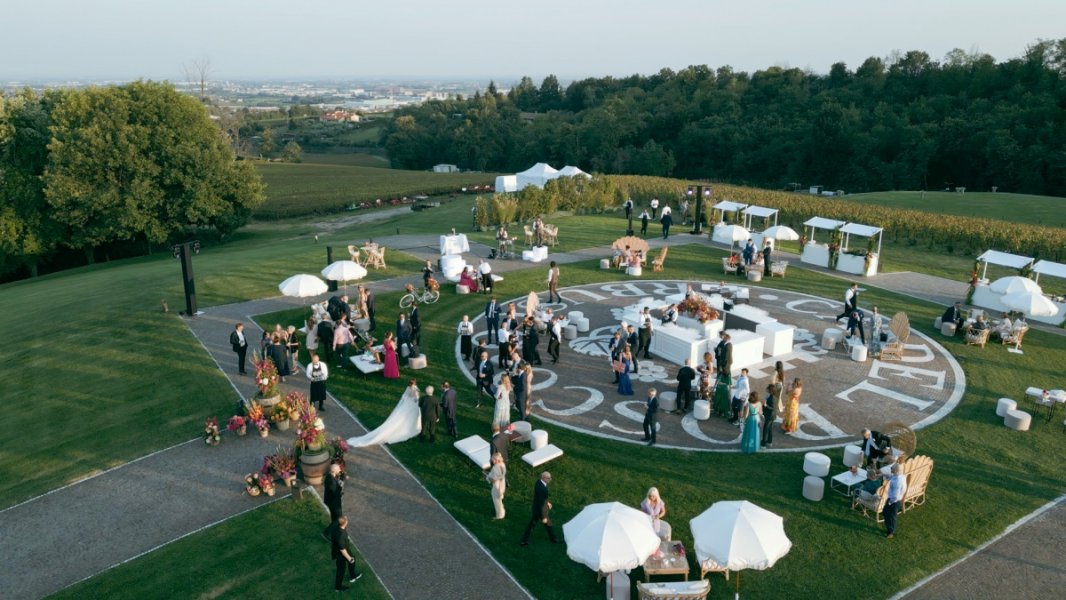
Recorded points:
(258, 417)
(211, 434)
(311, 436)
(698, 308)
(256, 484)
(280, 412)
(266, 376)
(338, 447)
(236, 423)
(292, 400)
(679, 548)
(281, 464)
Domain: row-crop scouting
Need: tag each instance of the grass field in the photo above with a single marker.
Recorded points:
(1019, 208)
(308, 188)
(348, 159)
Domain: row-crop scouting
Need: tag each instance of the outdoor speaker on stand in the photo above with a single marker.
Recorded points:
(329, 261)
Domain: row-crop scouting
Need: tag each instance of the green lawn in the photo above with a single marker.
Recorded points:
(356, 159)
(1019, 208)
(275, 551)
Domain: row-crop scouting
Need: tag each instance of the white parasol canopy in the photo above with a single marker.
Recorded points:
(344, 270)
(735, 233)
(302, 286)
(739, 535)
(1014, 284)
(1033, 304)
(610, 536)
(781, 232)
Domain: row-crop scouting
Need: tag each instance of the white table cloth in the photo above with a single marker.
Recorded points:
(454, 244)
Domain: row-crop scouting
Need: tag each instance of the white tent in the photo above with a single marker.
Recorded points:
(862, 231)
(572, 171)
(822, 223)
(758, 212)
(506, 183)
(537, 175)
(1051, 269)
(1003, 259)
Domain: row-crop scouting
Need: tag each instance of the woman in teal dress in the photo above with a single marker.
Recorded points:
(751, 414)
(625, 387)
(721, 395)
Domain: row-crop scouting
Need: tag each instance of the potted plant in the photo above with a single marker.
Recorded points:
(292, 401)
(258, 418)
(280, 416)
(256, 484)
(266, 379)
(237, 423)
(281, 465)
(211, 434)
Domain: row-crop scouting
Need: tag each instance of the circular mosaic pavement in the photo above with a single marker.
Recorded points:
(840, 397)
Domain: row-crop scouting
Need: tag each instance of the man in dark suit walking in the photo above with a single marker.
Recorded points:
(651, 415)
(492, 319)
(541, 507)
(240, 346)
(667, 220)
(430, 407)
(685, 376)
(449, 403)
(555, 334)
(851, 301)
(338, 538)
(333, 491)
(485, 373)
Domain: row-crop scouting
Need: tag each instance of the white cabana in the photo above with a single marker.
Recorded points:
(852, 263)
(726, 206)
(760, 212)
(572, 171)
(822, 223)
(537, 175)
(1051, 269)
(814, 253)
(1002, 259)
(506, 183)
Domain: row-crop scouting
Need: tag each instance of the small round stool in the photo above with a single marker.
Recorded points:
(575, 314)
(461, 289)
(634, 271)
(1004, 405)
(858, 353)
(538, 439)
(754, 275)
(701, 410)
(813, 488)
(947, 329)
(816, 463)
(831, 337)
(937, 322)
(570, 332)
(582, 324)
(523, 429)
(605, 263)
(1017, 420)
(668, 400)
(852, 456)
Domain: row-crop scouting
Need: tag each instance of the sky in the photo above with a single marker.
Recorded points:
(501, 39)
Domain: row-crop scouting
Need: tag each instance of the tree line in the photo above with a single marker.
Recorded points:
(87, 169)
(903, 122)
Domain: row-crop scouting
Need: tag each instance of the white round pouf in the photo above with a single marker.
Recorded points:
(813, 488)
(538, 439)
(852, 456)
(668, 400)
(816, 463)
(523, 429)
(937, 322)
(832, 337)
(605, 263)
(461, 289)
(1017, 420)
(1004, 405)
(582, 324)
(947, 329)
(701, 410)
(858, 353)
(570, 332)
(635, 271)
(575, 314)
(754, 275)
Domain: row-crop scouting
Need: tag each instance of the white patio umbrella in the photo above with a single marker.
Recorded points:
(735, 233)
(609, 537)
(344, 270)
(781, 233)
(1014, 284)
(739, 535)
(1031, 304)
(302, 286)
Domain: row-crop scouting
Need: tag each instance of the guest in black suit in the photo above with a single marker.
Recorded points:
(449, 403)
(279, 356)
(240, 346)
(667, 220)
(333, 492)
(953, 315)
(403, 334)
(416, 325)
(325, 336)
(651, 415)
(338, 538)
(492, 319)
(644, 337)
(485, 373)
(685, 376)
(723, 354)
(851, 301)
(767, 252)
(632, 339)
(555, 334)
(875, 446)
(855, 320)
(430, 406)
(371, 309)
(541, 507)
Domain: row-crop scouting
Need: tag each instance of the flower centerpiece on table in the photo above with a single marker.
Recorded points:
(236, 423)
(698, 308)
(211, 434)
(266, 377)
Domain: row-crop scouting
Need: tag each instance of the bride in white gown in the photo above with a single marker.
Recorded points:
(404, 423)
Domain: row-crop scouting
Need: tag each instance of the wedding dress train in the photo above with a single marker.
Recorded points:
(404, 423)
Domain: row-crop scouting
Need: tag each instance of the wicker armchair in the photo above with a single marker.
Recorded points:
(918, 470)
(900, 327)
(657, 264)
(674, 590)
(977, 337)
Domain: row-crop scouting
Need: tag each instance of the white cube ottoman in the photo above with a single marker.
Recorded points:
(813, 488)
(570, 332)
(852, 456)
(418, 362)
(816, 463)
(538, 438)
(582, 324)
(1004, 405)
(947, 329)
(754, 275)
(523, 428)
(605, 263)
(668, 400)
(1017, 420)
(858, 353)
(701, 410)
(461, 289)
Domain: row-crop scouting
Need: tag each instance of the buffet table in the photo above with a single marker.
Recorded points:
(676, 344)
(815, 254)
(747, 348)
(856, 264)
(454, 244)
(451, 265)
(779, 337)
(747, 317)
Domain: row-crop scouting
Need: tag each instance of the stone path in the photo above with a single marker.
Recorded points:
(124, 512)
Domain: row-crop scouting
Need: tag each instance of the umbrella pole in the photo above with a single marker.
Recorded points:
(737, 596)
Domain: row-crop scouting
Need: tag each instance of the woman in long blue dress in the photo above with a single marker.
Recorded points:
(625, 387)
(752, 417)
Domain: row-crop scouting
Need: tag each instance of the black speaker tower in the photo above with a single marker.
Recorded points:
(329, 261)
(185, 256)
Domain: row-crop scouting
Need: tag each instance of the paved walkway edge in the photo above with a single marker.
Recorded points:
(1009, 530)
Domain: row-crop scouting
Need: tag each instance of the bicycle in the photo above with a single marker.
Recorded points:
(425, 296)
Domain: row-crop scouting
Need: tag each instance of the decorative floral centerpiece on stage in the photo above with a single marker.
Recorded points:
(696, 307)
(211, 434)
(256, 484)
(236, 423)
(266, 379)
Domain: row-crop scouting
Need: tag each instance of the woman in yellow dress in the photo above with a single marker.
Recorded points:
(792, 407)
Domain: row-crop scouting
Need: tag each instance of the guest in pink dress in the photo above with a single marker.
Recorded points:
(392, 364)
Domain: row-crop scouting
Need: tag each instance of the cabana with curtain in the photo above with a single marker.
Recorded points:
(721, 209)
(856, 261)
(983, 295)
(751, 216)
(814, 252)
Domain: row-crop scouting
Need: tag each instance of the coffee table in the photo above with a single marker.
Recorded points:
(670, 562)
(844, 482)
(366, 365)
